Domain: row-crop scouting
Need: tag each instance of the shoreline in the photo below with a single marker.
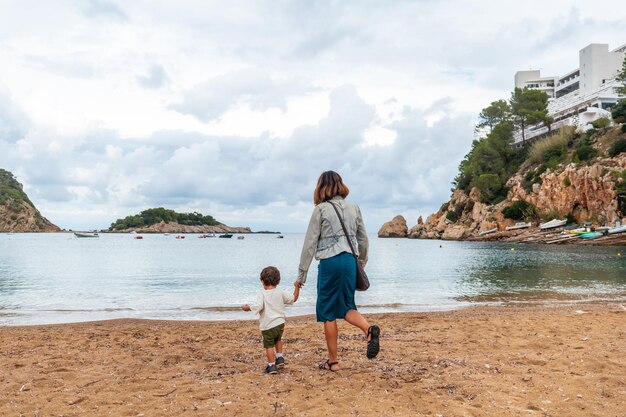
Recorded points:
(487, 361)
(234, 314)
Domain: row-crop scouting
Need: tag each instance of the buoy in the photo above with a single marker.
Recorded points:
(619, 254)
(512, 249)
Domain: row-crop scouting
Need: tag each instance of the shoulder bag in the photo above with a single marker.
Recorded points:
(362, 282)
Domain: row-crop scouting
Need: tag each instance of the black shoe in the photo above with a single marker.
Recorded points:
(373, 344)
(280, 362)
(271, 369)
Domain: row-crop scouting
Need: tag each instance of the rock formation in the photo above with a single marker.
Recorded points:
(583, 191)
(394, 228)
(174, 227)
(17, 212)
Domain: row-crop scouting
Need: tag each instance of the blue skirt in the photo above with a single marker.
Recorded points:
(336, 284)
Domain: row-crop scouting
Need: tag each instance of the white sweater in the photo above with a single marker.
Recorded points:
(270, 305)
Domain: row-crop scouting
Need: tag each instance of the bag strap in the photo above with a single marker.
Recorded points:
(345, 230)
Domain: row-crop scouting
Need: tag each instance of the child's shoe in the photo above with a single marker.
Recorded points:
(280, 362)
(271, 369)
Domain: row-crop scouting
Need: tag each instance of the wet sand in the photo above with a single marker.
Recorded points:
(568, 360)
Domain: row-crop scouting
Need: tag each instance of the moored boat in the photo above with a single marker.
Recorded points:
(552, 224)
(519, 225)
(226, 235)
(83, 234)
(590, 235)
(617, 229)
(488, 232)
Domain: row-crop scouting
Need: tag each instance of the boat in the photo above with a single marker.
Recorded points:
(226, 235)
(138, 237)
(240, 237)
(488, 232)
(578, 231)
(590, 235)
(82, 234)
(617, 229)
(519, 225)
(280, 237)
(205, 236)
(180, 237)
(552, 224)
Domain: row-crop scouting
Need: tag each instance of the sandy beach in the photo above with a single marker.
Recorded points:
(568, 360)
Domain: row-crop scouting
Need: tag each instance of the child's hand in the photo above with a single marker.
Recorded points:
(245, 307)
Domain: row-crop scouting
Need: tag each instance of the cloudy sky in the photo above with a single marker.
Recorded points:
(234, 108)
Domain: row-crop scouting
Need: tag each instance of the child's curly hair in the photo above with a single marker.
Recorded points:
(270, 275)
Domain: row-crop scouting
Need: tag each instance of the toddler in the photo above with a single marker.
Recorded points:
(270, 304)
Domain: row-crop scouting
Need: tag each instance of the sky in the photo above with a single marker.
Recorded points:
(234, 108)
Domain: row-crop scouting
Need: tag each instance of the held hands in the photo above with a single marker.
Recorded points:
(245, 307)
(296, 290)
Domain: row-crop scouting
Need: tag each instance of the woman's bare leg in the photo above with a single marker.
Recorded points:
(356, 319)
(330, 331)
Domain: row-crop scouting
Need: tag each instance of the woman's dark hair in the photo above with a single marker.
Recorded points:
(328, 186)
(270, 276)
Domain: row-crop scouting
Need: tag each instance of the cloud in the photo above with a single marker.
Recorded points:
(103, 9)
(156, 77)
(235, 110)
(13, 121)
(254, 88)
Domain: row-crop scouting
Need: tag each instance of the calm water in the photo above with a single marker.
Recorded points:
(52, 278)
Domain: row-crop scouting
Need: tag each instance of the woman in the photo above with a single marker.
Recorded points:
(336, 277)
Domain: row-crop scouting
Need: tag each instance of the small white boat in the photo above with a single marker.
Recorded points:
(519, 225)
(488, 232)
(552, 224)
(618, 229)
(82, 234)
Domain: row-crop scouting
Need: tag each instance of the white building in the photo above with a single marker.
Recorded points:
(592, 84)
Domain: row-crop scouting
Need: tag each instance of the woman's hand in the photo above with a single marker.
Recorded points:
(298, 284)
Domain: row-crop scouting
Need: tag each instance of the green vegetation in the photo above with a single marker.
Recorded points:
(529, 107)
(455, 211)
(601, 123)
(156, 215)
(584, 152)
(11, 193)
(567, 182)
(520, 210)
(620, 190)
(621, 76)
(490, 163)
(497, 112)
(618, 112)
(551, 149)
(618, 147)
(492, 160)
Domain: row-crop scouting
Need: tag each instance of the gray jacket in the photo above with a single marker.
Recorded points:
(325, 237)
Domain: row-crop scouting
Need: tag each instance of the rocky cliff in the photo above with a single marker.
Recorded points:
(580, 191)
(17, 212)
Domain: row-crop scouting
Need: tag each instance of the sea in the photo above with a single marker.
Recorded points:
(58, 278)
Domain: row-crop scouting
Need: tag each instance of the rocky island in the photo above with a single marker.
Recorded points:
(17, 212)
(161, 220)
(504, 192)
